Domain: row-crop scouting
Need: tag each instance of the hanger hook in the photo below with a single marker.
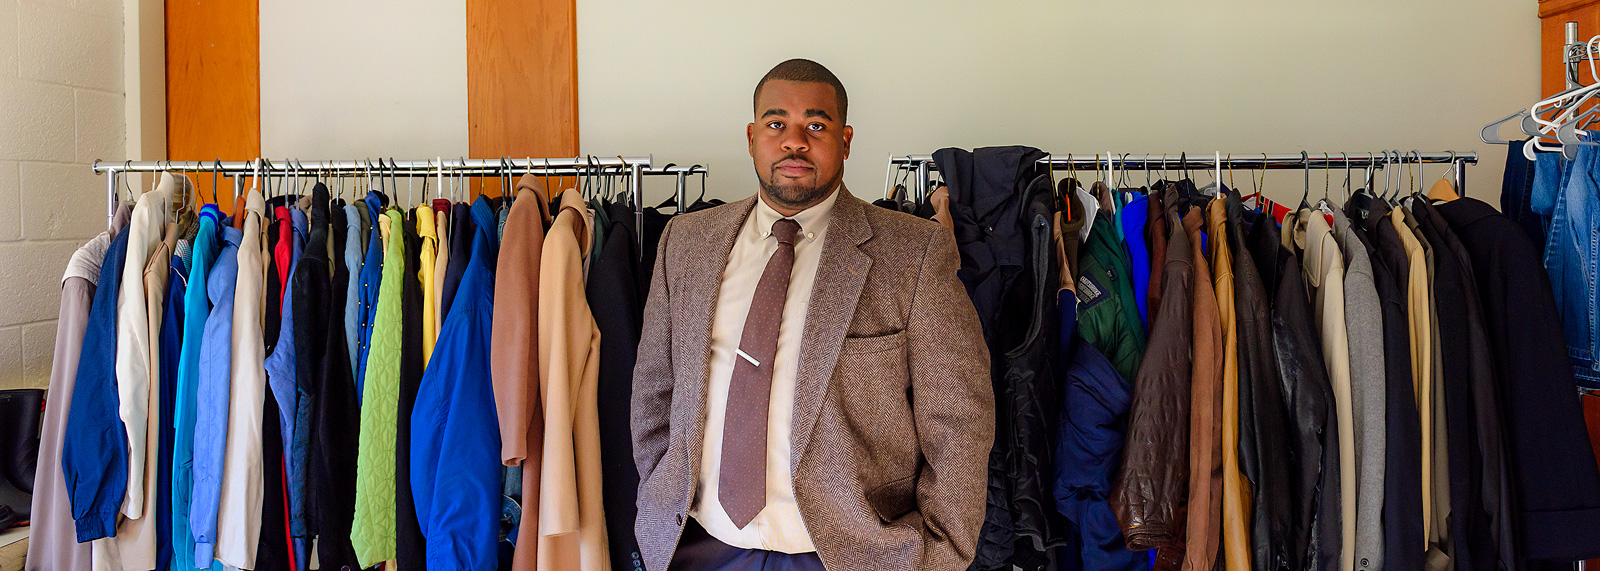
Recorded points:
(1346, 157)
(1305, 160)
(1418, 155)
(1230, 172)
(1325, 177)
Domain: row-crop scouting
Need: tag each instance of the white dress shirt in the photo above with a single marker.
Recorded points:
(239, 511)
(779, 526)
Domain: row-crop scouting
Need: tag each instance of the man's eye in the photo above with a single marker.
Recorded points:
(815, 126)
(775, 125)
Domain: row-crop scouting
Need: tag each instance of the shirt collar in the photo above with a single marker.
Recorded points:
(811, 220)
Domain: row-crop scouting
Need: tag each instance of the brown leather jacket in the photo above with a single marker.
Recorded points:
(1149, 493)
(1204, 530)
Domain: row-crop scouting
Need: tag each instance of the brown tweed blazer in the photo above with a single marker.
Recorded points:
(894, 410)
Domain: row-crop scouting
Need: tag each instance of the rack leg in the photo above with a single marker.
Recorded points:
(636, 185)
(111, 196)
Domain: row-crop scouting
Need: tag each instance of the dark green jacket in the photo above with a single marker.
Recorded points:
(1108, 317)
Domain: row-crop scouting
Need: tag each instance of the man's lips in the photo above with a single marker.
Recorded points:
(792, 168)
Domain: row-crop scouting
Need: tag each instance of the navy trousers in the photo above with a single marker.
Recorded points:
(698, 551)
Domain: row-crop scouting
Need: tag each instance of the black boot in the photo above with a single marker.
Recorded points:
(21, 412)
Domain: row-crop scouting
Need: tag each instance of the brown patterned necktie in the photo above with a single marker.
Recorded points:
(742, 483)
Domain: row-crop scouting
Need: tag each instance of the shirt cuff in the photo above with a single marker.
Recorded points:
(96, 525)
(204, 553)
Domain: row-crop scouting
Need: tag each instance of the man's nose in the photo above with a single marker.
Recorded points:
(794, 141)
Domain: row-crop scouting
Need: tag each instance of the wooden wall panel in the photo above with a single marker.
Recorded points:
(522, 78)
(213, 83)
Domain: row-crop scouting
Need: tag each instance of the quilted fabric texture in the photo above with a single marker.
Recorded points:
(373, 533)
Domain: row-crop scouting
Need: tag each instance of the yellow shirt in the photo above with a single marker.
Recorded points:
(425, 267)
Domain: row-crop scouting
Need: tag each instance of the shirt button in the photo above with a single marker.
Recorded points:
(680, 519)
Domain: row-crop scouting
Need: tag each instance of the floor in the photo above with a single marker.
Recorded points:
(13, 548)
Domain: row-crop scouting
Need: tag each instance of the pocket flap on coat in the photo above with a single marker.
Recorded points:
(855, 345)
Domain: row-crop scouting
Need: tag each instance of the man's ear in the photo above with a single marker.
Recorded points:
(849, 133)
(750, 138)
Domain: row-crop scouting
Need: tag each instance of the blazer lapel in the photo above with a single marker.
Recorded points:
(841, 274)
(701, 280)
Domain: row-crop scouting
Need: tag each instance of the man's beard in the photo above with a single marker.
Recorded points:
(798, 196)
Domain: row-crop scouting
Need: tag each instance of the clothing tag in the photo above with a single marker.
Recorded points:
(747, 357)
(1089, 291)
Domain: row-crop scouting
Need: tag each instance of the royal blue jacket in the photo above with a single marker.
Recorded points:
(455, 435)
(371, 278)
(1133, 217)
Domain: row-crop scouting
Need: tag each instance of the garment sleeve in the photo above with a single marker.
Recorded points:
(94, 453)
(953, 404)
(652, 374)
(514, 339)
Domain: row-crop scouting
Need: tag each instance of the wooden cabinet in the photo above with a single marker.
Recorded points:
(1553, 16)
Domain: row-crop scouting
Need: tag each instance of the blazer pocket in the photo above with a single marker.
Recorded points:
(874, 344)
(895, 499)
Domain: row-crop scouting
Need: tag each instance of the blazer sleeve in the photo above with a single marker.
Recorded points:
(652, 374)
(953, 407)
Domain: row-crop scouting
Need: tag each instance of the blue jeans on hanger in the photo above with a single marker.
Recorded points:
(1516, 195)
(1572, 256)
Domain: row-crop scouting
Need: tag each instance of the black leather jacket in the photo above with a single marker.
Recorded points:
(1263, 450)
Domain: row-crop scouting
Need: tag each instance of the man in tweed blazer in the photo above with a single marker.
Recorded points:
(812, 387)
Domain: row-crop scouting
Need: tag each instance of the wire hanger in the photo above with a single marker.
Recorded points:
(1306, 161)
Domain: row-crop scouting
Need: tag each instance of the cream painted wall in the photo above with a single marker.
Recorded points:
(61, 107)
(343, 79)
(675, 78)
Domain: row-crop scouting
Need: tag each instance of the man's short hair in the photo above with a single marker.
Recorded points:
(799, 69)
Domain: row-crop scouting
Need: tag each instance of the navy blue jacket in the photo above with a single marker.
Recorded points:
(94, 455)
(1094, 421)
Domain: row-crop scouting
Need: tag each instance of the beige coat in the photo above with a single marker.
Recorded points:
(894, 410)
(572, 530)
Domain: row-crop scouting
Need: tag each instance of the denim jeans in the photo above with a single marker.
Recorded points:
(1572, 257)
(1516, 195)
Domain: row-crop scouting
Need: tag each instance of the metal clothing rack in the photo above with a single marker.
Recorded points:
(1576, 52)
(634, 168)
(922, 165)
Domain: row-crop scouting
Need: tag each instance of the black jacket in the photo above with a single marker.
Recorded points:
(989, 190)
(321, 359)
(1263, 430)
(1553, 470)
(1492, 542)
(1019, 527)
(1308, 400)
(410, 552)
(1031, 397)
(612, 291)
(986, 203)
(461, 232)
(1450, 302)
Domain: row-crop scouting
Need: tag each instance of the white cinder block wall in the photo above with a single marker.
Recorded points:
(61, 107)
